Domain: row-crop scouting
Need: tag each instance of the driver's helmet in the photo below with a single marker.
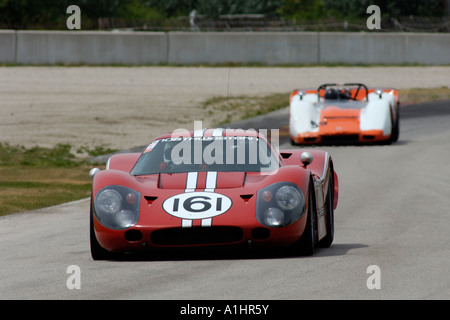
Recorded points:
(331, 93)
(345, 94)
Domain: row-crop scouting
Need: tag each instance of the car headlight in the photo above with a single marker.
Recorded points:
(273, 217)
(117, 207)
(280, 204)
(109, 201)
(288, 197)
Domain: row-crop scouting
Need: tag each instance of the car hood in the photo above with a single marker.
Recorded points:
(334, 112)
(222, 180)
(201, 180)
(343, 104)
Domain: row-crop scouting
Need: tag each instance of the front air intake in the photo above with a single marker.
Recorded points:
(196, 236)
(133, 235)
(337, 139)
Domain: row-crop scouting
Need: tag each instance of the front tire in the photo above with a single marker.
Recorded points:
(396, 128)
(326, 241)
(97, 251)
(305, 246)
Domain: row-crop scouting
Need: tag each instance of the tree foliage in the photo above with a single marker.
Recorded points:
(215, 8)
(302, 9)
(23, 14)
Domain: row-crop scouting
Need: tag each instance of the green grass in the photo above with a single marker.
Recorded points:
(37, 177)
(418, 95)
(25, 195)
(225, 110)
(59, 156)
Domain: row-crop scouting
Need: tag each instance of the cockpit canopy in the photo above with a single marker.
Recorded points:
(224, 153)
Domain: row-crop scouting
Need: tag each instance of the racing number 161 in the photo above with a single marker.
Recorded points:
(198, 204)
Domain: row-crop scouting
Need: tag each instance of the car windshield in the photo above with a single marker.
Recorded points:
(235, 153)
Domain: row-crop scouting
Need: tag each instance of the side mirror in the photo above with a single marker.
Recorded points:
(379, 92)
(301, 93)
(93, 172)
(306, 158)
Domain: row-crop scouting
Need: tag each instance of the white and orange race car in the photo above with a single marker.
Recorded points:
(344, 113)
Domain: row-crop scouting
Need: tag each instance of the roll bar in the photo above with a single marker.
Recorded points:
(359, 85)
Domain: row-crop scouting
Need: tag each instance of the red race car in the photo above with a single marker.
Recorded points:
(213, 187)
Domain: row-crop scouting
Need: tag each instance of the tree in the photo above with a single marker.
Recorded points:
(20, 14)
(215, 8)
(302, 9)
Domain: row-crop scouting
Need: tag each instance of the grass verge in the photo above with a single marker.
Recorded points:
(37, 177)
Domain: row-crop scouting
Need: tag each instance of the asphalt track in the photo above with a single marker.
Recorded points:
(393, 212)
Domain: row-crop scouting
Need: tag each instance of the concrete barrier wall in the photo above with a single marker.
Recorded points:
(62, 47)
(243, 47)
(267, 48)
(7, 46)
(384, 48)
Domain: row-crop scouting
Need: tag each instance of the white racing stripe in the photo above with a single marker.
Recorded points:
(218, 132)
(186, 223)
(207, 222)
(191, 185)
(211, 180)
(199, 132)
(191, 181)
